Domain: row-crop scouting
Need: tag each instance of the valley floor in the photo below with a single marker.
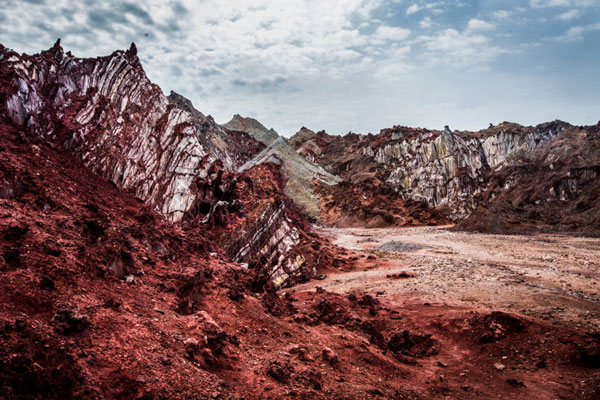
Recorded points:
(511, 316)
(550, 277)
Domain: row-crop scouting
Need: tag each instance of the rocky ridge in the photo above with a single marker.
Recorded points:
(107, 112)
(553, 188)
(443, 169)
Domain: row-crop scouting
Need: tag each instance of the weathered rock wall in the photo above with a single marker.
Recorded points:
(120, 124)
(442, 169)
(554, 188)
(107, 112)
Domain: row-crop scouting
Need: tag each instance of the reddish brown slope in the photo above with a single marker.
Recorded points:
(99, 293)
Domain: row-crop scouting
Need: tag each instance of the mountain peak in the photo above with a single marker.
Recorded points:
(252, 127)
(182, 101)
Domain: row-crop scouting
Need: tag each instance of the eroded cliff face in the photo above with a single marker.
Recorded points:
(439, 168)
(107, 112)
(301, 174)
(555, 188)
(449, 169)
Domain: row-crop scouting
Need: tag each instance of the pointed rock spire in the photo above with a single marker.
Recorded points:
(132, 52)
(56, 51)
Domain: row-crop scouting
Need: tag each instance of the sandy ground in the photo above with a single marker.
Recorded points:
(551, 277)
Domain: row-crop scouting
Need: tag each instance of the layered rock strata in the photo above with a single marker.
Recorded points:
(555, 188)
(440, 168)
(107, 112)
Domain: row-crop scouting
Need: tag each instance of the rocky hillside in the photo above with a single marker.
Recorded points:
(142, 246)
(301, 174)
(108, 114)
(104, 298)
(555, 188)
(409, 176)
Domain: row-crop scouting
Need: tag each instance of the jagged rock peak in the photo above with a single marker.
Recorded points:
(131, 55)
(56, 51)
(57, 45)
(132, 52)
(305, 132)
(247, 123)
(303, 135)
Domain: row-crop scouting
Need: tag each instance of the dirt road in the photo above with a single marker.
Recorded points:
(555, 278)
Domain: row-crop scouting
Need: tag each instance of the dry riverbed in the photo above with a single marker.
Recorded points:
(551, 277)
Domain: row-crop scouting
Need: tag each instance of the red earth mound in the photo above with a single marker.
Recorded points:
(373, 205)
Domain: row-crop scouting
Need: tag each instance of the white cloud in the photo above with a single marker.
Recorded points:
(550, 3)
(569, 15)
(425, 23)
(368, 7)
(501, 14)
(563, 3)
(413, 8)
(434, 6)
(479, 25)
(458, 50)
(577, 33)
(390, 33)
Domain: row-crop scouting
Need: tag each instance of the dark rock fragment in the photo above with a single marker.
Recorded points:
(413, 344)
(368, 300)
(330, 356)
(185, 307)
(15, 232)
(589, 355)
(498, 325)
(279, 371)
(47, 283)
(69, 321)
(515, 383)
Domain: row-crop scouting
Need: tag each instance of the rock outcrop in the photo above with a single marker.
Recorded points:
(555, 188)
(443, 169)
(120, 124)
(107, 112)
(301, 174)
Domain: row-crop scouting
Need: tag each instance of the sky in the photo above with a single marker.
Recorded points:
(343, 65)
